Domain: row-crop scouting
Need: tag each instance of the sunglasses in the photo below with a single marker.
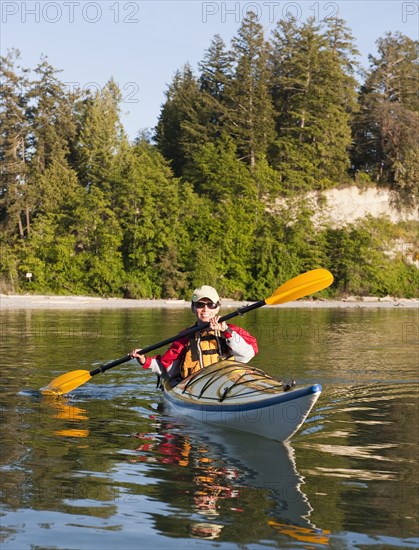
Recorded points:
(210, 305)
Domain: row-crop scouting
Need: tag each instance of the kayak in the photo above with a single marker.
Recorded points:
(237, 396)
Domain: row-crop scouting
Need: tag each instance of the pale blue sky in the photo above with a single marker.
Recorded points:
(142, 43)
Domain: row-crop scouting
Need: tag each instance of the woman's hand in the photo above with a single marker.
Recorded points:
(136, 355)
(216, 325)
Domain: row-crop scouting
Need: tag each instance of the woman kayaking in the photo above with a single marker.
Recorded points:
(191, 353)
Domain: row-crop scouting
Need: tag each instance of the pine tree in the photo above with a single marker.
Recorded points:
(51, 117)
(215, 79)
(223, 220)
(341, 42)
(314, 96)
(100, 134)
(50, 251)
(385, 130)
(13, 145)
(216, 172)
(148, 207)
(251, 118)
(216, 69)
(99, 242)
(52, 125)
(182, 121)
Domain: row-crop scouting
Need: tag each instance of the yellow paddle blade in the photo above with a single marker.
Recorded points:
(66, 382)
(301, 286)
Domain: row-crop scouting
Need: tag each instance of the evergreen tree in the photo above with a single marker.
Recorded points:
(226, 217)
(251, 119)
(51, 117)
(52, 127)
(267, 181)
(385, 130)
(182, 122)
(149, 208)
(341, 42)
(314, 95)
(58, 191)
(50, 252)
(216, 69)
(215, 79)
(216, 172)
(13, 145)
(99, 137)
(86, 211)
(99, 243)
(75, 242)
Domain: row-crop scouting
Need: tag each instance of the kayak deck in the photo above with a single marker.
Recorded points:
(229, 381)
(241, 397)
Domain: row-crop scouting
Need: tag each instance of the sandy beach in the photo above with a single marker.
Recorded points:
(16, 302)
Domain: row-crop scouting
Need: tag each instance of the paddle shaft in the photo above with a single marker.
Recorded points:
(296, 288)
(184, 333)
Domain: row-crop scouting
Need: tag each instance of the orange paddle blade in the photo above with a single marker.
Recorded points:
(65, 383)
(301, 286)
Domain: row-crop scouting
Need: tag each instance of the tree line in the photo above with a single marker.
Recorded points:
(84, 210)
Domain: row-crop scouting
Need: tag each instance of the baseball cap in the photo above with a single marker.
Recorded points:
(205, 291)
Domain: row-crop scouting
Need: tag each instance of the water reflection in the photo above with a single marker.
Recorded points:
(225, 473)
(70, 413)
(62, 409)
(71, 470)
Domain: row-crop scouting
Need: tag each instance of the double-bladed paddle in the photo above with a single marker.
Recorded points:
(295, 288)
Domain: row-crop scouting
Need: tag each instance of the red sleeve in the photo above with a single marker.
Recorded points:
(173, 352)
(168, 357)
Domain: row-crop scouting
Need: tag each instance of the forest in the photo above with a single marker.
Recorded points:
(195, 200)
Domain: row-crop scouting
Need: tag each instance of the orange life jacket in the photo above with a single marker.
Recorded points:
(203, 349)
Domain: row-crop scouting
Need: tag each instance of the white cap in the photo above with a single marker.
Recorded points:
(205, 291)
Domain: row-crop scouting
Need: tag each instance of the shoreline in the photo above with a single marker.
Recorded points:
(32, 302)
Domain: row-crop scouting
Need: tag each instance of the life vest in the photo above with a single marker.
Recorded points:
(202, 350)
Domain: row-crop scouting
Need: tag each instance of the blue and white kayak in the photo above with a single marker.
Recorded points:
(238, 396)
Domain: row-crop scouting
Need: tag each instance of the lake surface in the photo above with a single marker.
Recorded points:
(108, 467)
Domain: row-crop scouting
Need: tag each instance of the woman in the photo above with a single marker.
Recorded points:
(190, 353)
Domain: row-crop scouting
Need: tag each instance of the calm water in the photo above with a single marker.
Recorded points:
(108, 468)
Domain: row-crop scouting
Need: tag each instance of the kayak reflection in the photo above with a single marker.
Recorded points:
(233, 476)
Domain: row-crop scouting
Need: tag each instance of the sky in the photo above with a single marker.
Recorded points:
(141, 44)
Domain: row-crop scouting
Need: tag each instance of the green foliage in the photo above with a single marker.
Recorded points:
(311, 149)
(14, 128)
(217, 173)
(363, 261)
(219, 199)
(147, 202)
(9, 266)
(50, 257)
(385, 129)
(99, 137)
(183, 119)
(251, 120)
